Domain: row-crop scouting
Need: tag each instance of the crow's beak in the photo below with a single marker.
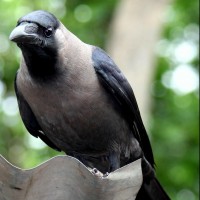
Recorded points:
(26, 33)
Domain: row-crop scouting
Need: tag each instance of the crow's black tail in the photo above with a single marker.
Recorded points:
(152, 191)
(151, 188)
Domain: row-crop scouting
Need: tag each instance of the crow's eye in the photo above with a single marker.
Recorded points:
(48, 32)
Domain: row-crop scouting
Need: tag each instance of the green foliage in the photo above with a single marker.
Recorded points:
(175, 112)
(174, 121)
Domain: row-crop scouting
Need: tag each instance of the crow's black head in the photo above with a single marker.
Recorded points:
(36, 28)
(35, 34)
(42, 18)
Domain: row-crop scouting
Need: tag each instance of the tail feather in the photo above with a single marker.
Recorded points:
(152, 191)
(151, 188)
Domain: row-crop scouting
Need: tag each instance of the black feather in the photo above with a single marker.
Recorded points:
(116, 83)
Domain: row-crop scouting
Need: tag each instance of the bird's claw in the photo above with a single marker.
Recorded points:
(96, 172)
(105, 175)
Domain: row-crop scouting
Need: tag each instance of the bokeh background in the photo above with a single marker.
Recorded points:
(173, 118)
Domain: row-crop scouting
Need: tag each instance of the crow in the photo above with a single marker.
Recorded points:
(74, 97)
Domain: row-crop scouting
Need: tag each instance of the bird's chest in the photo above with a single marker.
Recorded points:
(77, 119)
(54, 104)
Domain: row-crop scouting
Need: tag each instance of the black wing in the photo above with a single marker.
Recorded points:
(116, 83)
(30, 120)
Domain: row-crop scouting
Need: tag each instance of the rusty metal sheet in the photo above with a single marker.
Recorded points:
(65, 178)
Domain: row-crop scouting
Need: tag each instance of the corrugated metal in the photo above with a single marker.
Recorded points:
(65, 178)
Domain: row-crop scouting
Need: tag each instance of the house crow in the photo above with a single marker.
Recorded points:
(74, 97)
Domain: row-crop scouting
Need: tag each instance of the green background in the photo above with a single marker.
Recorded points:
(174, 114)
